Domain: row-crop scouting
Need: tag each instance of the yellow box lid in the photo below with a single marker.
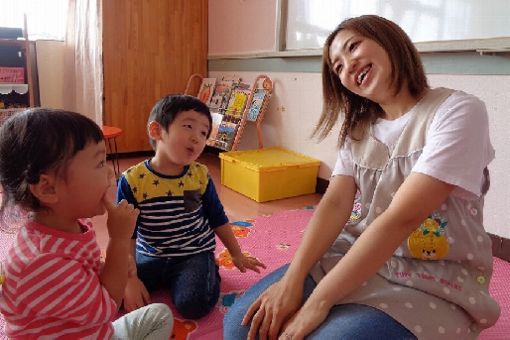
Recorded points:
(269, 158)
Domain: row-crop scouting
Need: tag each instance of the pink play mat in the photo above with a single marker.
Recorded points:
(274, 239)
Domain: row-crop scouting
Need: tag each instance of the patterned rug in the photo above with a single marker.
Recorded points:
(274, 239)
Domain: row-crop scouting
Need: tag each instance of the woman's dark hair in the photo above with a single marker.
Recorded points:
(359, 112)
(35, 141)
(167, 108)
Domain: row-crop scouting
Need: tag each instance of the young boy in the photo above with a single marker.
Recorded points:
(180, 213)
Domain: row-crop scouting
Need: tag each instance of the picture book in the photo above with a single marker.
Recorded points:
(226, 135)
(221, 95)
(237, 101)
(257, 104)
(206, 90)
(216, 121)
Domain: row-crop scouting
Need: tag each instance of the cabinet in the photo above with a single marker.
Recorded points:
(150, 48)
(15, 55)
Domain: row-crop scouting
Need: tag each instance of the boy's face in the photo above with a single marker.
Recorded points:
(183, 142)
(85, 182)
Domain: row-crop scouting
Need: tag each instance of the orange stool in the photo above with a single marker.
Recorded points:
(110, 134)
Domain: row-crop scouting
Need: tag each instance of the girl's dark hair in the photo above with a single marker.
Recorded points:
(35, 141)
(167, 108)
(359, 112)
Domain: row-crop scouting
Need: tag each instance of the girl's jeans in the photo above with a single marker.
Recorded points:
(349, 321)
(194, 281)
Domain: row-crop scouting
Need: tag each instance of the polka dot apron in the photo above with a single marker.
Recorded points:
(436, 283)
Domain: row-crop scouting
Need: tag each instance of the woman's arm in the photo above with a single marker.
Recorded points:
(281, 300)
(417, 197)
(327, 222)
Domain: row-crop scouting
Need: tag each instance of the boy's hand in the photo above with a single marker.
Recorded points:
(135, 294)
(121, 218)
(243, 262)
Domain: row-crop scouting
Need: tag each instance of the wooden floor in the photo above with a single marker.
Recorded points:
(237, 206)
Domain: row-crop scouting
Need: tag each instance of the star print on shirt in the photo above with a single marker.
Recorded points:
(145, 195)
(169, 193)
(181, 184)
(155, 182)
(190, 174)
(135, 190)
(142, 175)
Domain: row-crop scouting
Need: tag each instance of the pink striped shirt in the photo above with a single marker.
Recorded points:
(52, 287)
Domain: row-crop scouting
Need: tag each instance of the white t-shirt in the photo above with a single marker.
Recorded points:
(458, 146)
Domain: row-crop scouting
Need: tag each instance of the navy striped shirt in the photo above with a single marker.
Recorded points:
(177, 213)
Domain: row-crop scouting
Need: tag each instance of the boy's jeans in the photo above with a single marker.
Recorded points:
(194, 281)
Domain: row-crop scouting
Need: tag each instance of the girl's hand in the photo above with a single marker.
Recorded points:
(121, 219)
(272, 309)
(306, 320)
(131, 267)
(243, 262)
(135, 294)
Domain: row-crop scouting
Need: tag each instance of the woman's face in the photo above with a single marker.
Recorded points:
(362, 66)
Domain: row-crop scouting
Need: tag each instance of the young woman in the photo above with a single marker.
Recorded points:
(396, 248)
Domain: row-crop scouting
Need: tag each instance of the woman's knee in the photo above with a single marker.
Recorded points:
(232, 327)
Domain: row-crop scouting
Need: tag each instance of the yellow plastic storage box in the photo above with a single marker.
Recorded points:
(269, 174)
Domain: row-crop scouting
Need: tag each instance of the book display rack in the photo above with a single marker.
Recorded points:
(232, 104)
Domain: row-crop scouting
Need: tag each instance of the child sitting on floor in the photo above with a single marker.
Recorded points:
(180, 213)
(53, 165)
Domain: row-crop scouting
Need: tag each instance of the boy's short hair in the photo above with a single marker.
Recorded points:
(167, 108)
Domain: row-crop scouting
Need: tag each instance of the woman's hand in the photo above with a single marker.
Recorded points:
(306, 320)
(244, 261)
(272, 309)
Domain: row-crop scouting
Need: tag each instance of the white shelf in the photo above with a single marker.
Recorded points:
(18, 88)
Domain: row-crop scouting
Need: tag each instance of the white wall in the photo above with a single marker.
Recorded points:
(295, 108)
(242, 26)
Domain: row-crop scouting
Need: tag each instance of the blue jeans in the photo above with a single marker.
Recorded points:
(348, 321)
(193, 281)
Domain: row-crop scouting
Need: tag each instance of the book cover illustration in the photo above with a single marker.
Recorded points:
(216, 121)
(257, 103)
(206, 90)
(237, 102)
(226, 135)
(221, 95)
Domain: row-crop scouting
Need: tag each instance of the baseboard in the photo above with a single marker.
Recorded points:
(500, 247)
(322, 185)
